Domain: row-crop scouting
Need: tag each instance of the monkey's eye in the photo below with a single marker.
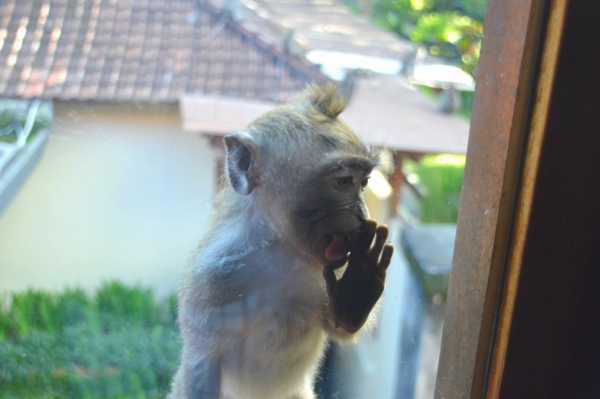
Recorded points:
(344, 182)
(364, 183)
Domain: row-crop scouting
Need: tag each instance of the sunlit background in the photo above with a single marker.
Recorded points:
(111, 122)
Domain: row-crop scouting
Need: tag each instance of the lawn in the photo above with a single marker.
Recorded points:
(438, 179)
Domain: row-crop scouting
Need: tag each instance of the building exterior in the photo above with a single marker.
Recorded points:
(121, 190)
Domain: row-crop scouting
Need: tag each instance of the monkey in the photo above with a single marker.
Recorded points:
(290, 261)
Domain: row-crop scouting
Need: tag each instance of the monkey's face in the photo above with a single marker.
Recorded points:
(305, 171)
(329, 207)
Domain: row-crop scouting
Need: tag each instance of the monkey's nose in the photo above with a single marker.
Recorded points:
(361, 215)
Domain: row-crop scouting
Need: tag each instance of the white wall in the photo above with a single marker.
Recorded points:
(121, 192)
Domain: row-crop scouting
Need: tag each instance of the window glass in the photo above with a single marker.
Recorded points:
(112, 117)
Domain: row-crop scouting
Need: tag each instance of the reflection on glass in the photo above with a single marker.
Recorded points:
(111, 123)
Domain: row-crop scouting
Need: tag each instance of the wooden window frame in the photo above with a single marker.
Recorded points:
(521, 319)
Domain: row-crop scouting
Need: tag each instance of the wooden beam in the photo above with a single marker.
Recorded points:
(527, 185)
(396, 180)
(551, 345)
(501, 114)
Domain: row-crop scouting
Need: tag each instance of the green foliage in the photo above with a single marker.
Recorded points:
(120, 344)
(448, 33)
(439, 178)
(466, 106)
(399, 16)
(474, 8)
(451, 29)
(133, 304)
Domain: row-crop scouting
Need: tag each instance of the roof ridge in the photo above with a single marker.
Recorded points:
(295, 61)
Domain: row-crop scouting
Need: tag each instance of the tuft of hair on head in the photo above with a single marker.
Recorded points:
(326, 99)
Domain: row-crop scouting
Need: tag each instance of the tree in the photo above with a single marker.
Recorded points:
(449, 28)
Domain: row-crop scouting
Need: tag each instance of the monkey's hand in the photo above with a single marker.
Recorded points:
(352, 297)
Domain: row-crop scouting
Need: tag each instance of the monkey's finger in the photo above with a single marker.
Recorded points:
(382, 234)
(368, 234)
(386, 256)
(360, 242)
(330, 278)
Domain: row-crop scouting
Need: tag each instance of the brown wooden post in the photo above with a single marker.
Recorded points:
(549, 331)
(396, 180)
(522, 319)
(513, 34)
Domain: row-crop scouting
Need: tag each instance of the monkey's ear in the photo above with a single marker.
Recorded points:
(242, 165)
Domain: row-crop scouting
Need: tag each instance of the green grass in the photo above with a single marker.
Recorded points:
(439, 179)
(466, 106)
(119, 343)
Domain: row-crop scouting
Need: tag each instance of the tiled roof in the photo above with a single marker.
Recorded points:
(389, 113)
(385, 110)
(318, 25)
(137, 51)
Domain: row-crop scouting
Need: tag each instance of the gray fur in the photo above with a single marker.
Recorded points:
(253, 305)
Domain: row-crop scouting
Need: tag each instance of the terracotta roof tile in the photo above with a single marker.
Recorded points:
(137, 51)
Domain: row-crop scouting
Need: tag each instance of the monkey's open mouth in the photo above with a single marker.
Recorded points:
(337, 247)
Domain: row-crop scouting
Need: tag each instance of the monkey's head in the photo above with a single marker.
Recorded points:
(305, 171)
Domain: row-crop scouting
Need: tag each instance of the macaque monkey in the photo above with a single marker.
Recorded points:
(262, 294)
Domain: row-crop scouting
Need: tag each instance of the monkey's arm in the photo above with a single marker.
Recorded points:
(352, 297)
(199, 374)
(201, 379)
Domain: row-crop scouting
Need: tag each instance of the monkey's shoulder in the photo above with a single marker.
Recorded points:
(269, 259)
(264, 279)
